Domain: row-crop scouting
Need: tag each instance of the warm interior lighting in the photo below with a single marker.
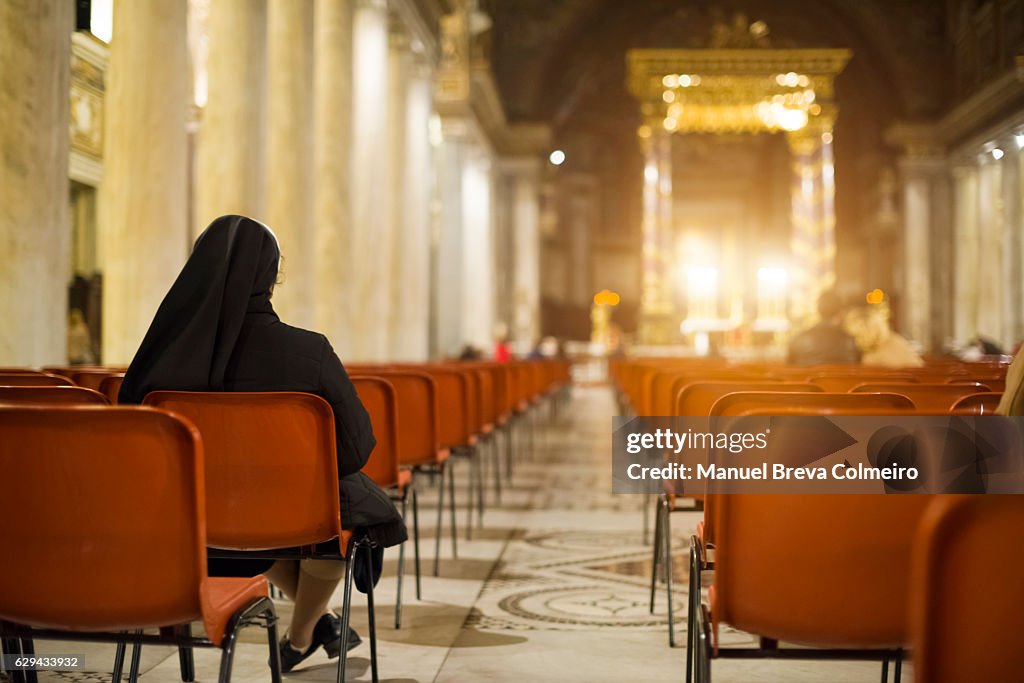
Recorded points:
(701, 282)
(1019, 139)
(557, 157)
(997, 153)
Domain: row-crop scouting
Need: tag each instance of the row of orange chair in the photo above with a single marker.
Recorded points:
(785, 566)
(246, 435)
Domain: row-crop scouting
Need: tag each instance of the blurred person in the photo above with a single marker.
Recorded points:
(502, 351)
(79, 340)
(1012, 402)
(216, 330)
(827, 341)
(879, 344)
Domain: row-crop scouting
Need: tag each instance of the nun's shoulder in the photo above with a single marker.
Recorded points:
(299, 340)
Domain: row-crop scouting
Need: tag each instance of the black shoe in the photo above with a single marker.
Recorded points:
(290, 657)
(328, 633)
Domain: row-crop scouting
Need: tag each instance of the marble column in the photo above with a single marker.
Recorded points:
(806, 221)
(478, 264)
(1013, 226)
(35, 44)
(448, 244)
(657, 236)
(991, 278)
(143, 217)
(230, 158)
(411, 187)
(915, 297)
(966, 252)
(371, 239)
(525, 207)
(332, 103)
(289, 169)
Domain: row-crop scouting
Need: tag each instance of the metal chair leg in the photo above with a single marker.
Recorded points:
(346, 609)
(656, 558)
(186, 661)
(507, 440)
(416, 540)
(118, 662)
(451, 507)
(481, 480)
(401, 569)
(371, 616)
(133, 671)
(666, 558)
(275, 653)
(440, 524)
(885, 670)
(493, 447)
(692, 600)
(474, 466)
(897, 674)
(28, 649)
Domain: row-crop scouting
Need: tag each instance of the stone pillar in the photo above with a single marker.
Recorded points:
(332, 102)
(525, 208)
(965, 253)
(143, 216)
(411, 172)
(231, 155)
(371, 239)
(806, 221)
(478, 267)
(915, 297)
(656, 324)
(289, 169)
(991, 279)
(1013, 226)
(448, 245)
(35, 44)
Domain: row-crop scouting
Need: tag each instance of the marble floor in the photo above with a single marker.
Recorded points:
(552, 587)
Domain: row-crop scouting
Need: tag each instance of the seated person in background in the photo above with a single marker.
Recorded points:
(1012, 402)
(826, 342)
(878, 343)
(216, 330)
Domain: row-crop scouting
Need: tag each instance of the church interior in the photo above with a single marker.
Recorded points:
(513, 222)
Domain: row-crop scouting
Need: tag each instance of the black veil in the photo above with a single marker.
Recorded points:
(231, 271)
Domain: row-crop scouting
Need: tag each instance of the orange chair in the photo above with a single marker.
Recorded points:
(111, 535)
(51, 395)
(981, 403)
(93, 379)
(967, 599)
(378, 397)
(36, 379)
(929, 397)
(267, 452)
(419, 442)
(845, 381)
(110, 387)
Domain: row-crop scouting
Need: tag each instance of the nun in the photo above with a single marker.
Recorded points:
(216, 330)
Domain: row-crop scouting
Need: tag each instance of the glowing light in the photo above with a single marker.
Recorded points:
(685, 80)
(668, 96)
(644, 131)
(669, 123)
(701, 281)
(997, 153)
(771, 277)
(1019, 139)
(651, 173)
(557, 157)
(606, 297)
(792, 119)
(826, 138)
(101, 19)
(670, 81)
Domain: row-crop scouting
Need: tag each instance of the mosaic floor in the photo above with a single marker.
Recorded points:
(553, 587)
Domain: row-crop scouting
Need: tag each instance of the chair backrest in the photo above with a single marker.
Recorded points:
(967, 602)
(378, 397)
(271, 466)
(418, 423)
(842, 560)
(93, 379)
(103, 518)
(981, 403)
(834, 403)
(698, 398)
(52, 395)
(845, 381)
(453, 393)
(38, 379)
(925, 396)
(111, 387)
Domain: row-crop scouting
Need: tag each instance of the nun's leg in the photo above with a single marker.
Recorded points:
(318, 579)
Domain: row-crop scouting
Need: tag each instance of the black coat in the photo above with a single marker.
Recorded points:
(272, 356)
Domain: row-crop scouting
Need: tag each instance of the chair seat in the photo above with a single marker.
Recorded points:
(221, 597)
(442, 455)
(404, 479)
